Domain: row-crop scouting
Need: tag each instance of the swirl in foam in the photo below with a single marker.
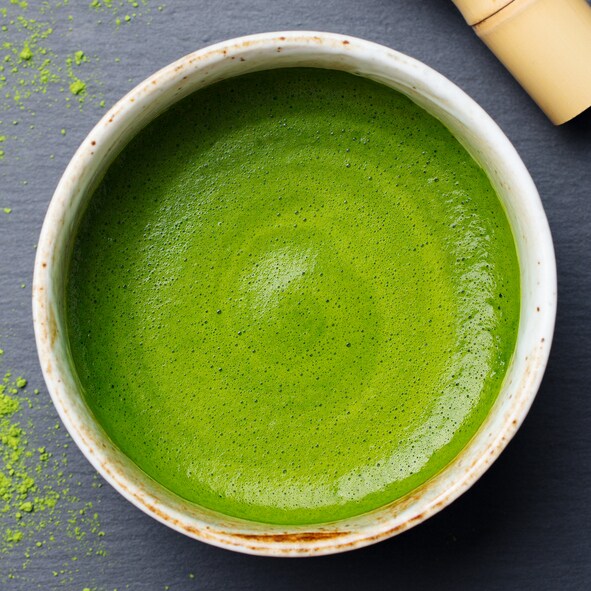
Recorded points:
(293, 297)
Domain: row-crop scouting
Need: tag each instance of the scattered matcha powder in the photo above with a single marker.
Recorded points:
(38, 506)
(118, 9)
(29, 64)
(78, 87)
(26, 54)
(79, 57)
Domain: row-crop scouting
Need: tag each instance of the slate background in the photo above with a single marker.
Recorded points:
(526, 523)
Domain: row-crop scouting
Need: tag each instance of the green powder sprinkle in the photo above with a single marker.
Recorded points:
(13, 536)
(37, 505)
(29, 64)
(7, 210)
(26, 54)
(117, 9)
(79, 57)
(78, 87)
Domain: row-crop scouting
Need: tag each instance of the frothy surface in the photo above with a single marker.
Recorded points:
(293, 297)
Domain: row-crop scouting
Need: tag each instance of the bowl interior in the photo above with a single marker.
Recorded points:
(476, 131)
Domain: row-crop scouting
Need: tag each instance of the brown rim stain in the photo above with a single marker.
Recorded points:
(291, 538)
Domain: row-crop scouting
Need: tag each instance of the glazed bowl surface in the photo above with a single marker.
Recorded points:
(469, 124)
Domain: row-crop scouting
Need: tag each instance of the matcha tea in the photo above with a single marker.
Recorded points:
(293, 297)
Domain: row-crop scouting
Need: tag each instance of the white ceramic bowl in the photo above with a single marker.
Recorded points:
(468, 122)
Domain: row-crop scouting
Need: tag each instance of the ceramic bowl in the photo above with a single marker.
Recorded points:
(474, 129)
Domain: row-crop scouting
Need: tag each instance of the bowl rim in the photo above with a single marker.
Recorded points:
(235, 534)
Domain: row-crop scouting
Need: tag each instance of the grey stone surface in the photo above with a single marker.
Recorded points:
(525, 524)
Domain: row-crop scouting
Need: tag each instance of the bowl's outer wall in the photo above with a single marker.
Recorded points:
(478, 133)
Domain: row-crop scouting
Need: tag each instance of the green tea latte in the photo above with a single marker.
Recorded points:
(293, 297)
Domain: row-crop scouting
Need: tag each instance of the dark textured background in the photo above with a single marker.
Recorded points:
(526, 524)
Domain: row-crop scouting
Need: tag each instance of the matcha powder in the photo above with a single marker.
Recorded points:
(42, 509)
(34, 73)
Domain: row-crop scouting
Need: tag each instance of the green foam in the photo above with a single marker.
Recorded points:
(293, 297)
